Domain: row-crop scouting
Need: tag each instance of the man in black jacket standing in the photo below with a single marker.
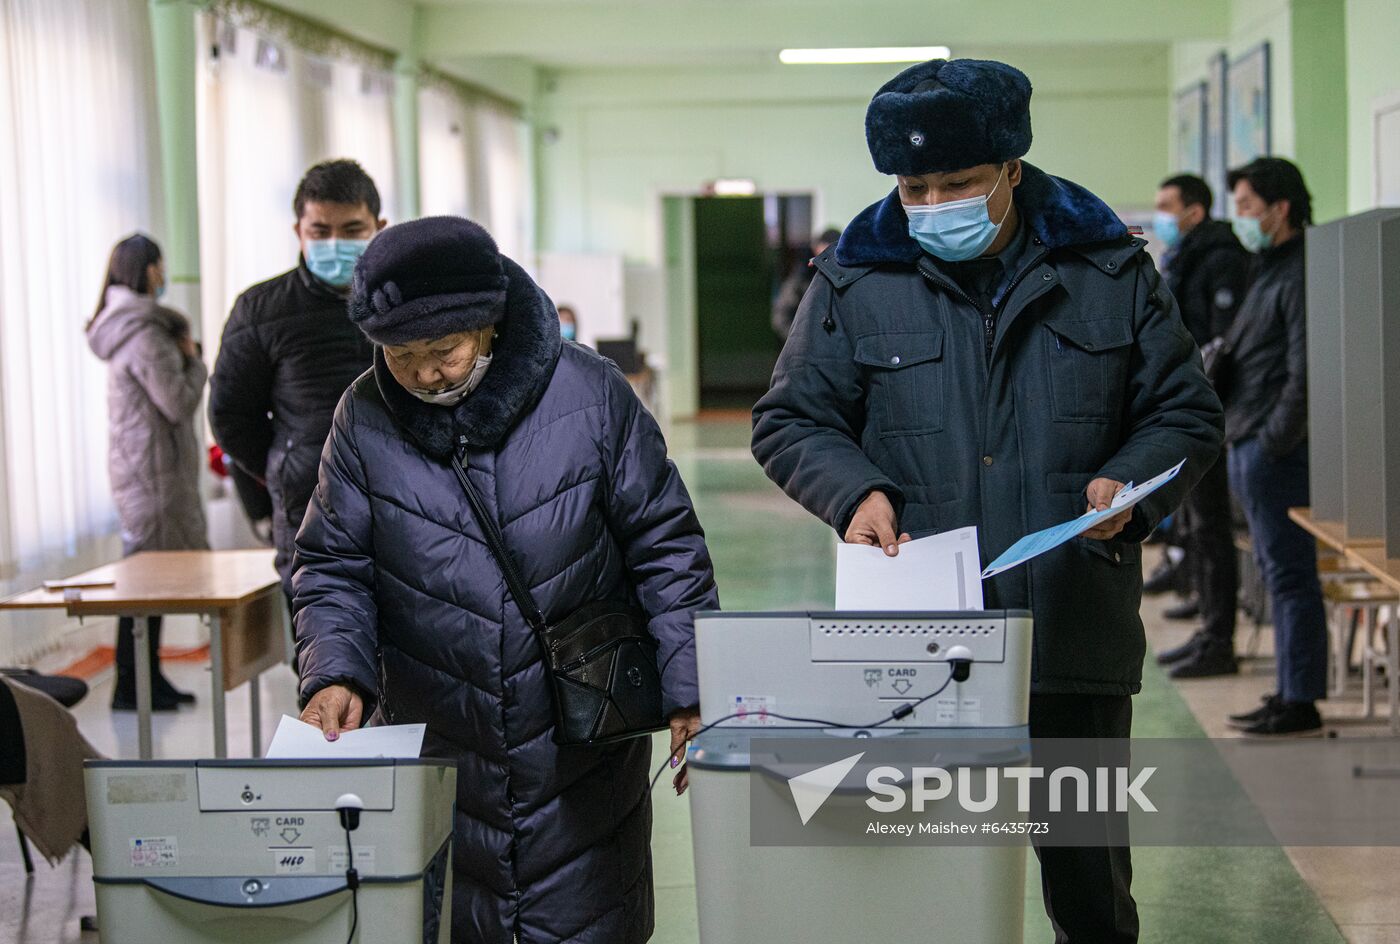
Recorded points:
(1266, 425)
(1208, 271)
(289, 349)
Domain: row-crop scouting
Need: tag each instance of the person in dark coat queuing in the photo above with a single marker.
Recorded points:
(155, 380)
(795, 285)
(402, 612)
(1208, 271)
(989, 346)
(1265, 389)
(289, 349)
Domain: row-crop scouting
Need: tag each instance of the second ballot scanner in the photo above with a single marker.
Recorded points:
(839, 671)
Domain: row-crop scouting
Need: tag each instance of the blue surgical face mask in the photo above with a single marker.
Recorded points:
(333, 260)
(568, 330)
(957, 230)
(1250, 234)
(1166, 228)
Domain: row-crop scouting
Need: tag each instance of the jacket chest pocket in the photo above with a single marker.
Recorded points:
(905, 376)
(1088, 364)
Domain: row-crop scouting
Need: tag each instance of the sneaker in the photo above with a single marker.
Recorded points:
(1245, 719)
(1208, 661)
(1184, 651)
(1185, 610)
(1289, 719)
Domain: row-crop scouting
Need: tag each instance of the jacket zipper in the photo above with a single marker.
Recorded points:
(989, 323)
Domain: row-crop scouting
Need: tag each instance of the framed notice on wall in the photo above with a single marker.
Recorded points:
(1215, 156)
(1190, 121)
(1248, 106)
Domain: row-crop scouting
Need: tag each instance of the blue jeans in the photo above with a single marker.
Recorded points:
(1267, 486)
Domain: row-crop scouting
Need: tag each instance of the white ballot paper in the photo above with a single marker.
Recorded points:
(297, 740)
(1033, 545)
(930, 574)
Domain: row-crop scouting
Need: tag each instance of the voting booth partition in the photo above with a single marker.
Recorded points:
(839, 671)
(259, 850)
(1353, 342)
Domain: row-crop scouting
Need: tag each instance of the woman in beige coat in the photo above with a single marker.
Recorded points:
(155, 379)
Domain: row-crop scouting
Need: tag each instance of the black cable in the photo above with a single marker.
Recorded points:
(903, 711)
(352, 881)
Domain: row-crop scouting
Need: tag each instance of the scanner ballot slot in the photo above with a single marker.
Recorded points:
(240, 788)
(894, 639)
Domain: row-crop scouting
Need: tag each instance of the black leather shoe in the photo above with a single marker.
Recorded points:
(161, 688)
(126, 701)
(1185, 610)
(1288, 719)
(1248, 718)
(63, 689)
(1208, 662)
(1184, 651)
(1165, 578)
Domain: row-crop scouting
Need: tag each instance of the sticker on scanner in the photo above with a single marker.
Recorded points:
(754, 709)
(154, 852)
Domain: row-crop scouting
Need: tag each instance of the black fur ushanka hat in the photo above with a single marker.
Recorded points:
(944, 115)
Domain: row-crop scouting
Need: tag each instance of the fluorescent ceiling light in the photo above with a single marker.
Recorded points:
(852, 56)
(732, 187)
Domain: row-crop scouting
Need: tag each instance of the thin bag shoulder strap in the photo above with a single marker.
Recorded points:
(496, 542)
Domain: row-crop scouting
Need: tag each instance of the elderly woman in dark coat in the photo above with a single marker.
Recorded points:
(402, 614)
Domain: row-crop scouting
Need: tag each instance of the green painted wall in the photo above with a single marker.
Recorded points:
(614, 142)
(1372, 72)
(1311, 44)
(1319, 53)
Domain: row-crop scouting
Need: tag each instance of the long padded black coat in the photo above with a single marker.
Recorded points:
(885, 384)
(396, 593)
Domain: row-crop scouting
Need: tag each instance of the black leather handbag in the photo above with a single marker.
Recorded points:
(601, 658)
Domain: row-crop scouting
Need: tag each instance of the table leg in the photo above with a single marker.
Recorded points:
(1392, 680)
(255, 707)
(141, 639)
(216, 684)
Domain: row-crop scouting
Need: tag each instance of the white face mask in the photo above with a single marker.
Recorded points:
(451, 396)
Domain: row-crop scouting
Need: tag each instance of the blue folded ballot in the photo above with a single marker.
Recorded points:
(1033, 545)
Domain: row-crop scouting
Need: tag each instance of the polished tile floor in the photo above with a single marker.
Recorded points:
(770, 554)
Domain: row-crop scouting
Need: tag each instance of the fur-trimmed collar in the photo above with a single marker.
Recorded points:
(522, 362)
(1059, 213)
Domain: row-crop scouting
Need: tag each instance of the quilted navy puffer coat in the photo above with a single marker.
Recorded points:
(397, 595)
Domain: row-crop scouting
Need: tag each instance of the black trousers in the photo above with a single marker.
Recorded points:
(1210, 552)
(1087, 891)
(126, 654)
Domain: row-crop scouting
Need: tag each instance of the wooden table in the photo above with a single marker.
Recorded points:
(1368, 556)
(1333, 534)
(238, 592)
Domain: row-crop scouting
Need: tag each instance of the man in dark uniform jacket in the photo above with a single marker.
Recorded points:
(289, 349)
(1208, 271)
(990, 346)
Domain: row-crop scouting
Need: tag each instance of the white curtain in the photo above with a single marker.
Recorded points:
(79, 170)
(503, 204)
(444, 153)
(252, 151)
(360, 124)
(267, 112)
